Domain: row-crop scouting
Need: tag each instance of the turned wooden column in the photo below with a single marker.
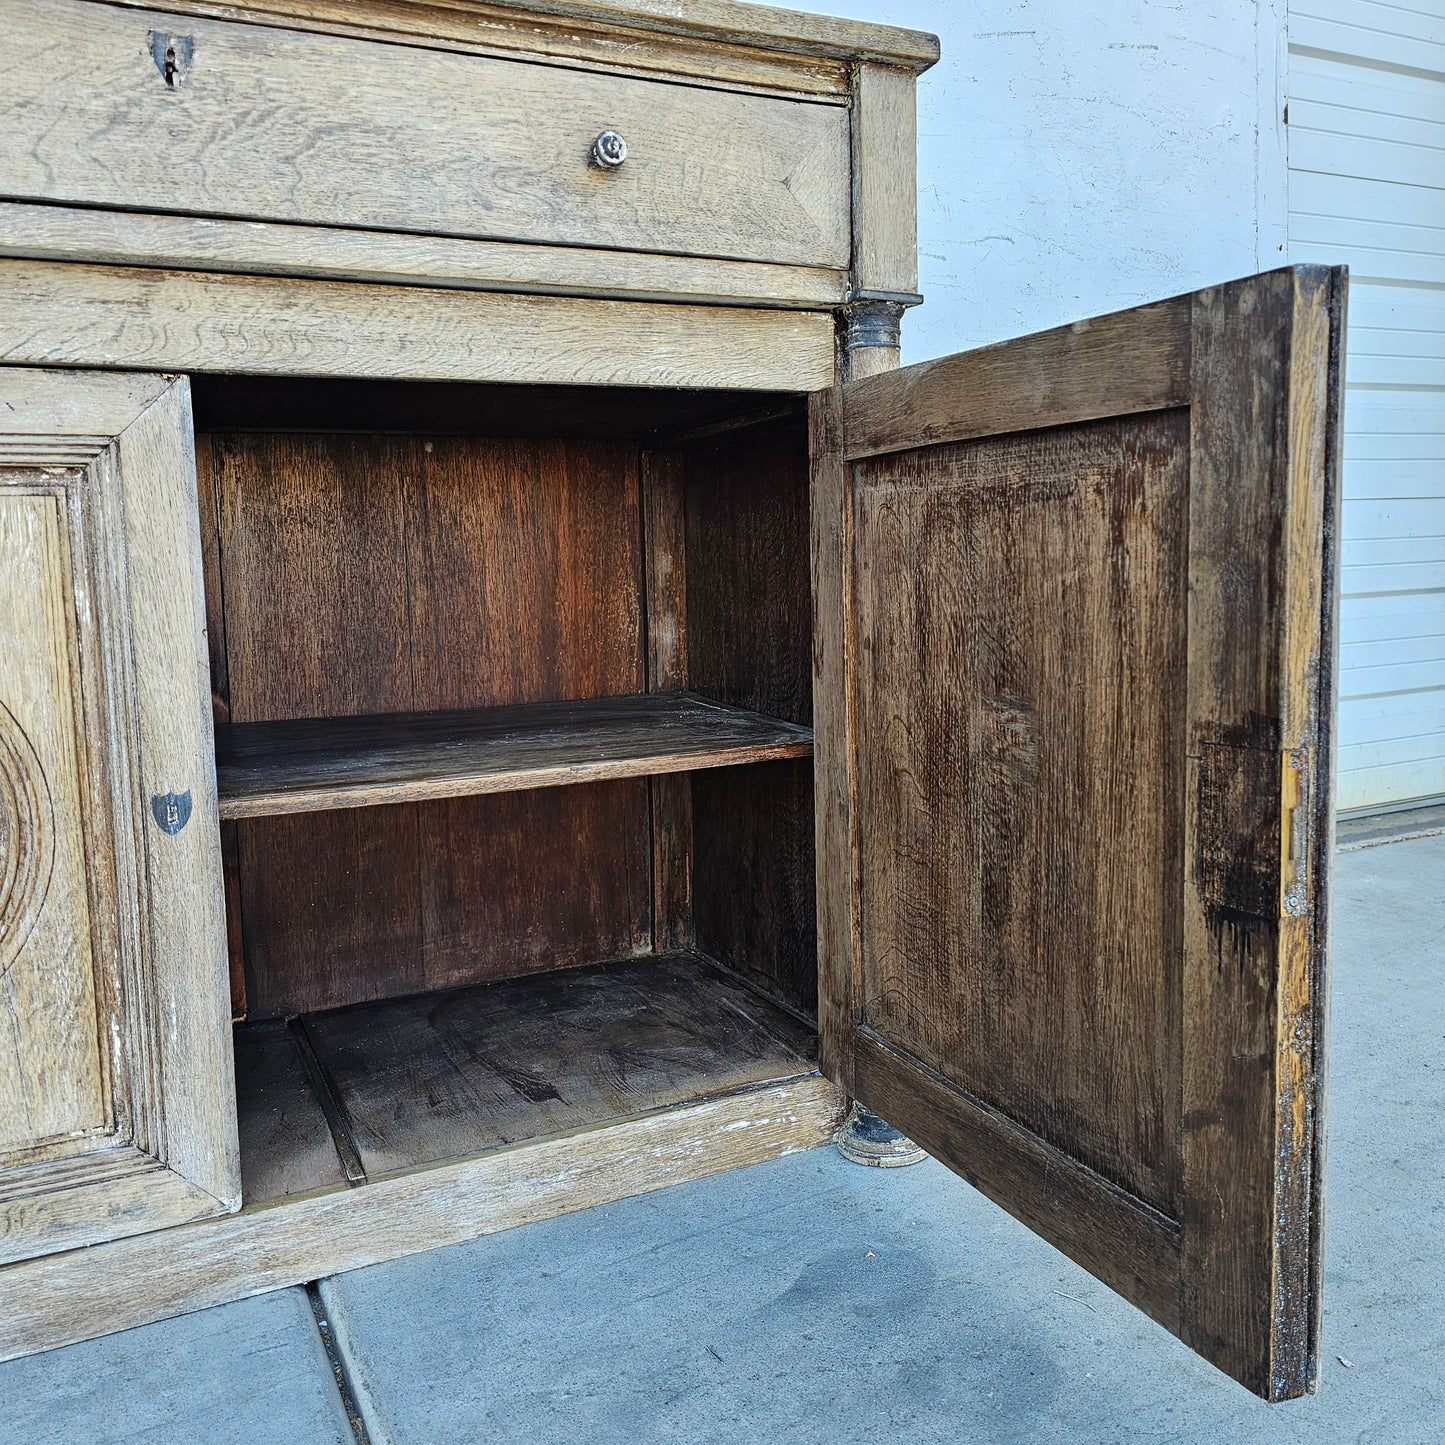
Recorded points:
(868, 335)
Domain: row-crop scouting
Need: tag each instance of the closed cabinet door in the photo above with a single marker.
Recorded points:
(1075, 645)
(117, 1109)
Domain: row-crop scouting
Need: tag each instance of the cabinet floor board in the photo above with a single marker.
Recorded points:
(463, 1072)
(286, 1146)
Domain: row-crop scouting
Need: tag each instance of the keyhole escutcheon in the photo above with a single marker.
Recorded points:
(172, 55)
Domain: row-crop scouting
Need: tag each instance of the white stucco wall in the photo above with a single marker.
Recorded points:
(1077, 156)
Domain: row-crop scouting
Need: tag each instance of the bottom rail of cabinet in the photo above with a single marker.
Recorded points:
(62, 1298)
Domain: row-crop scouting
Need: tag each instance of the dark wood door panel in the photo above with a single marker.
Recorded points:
(1026, 765)
(1074, 652)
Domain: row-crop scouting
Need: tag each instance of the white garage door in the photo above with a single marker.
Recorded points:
(1367, 187)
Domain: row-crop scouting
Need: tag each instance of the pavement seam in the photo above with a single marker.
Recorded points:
(338, 1366)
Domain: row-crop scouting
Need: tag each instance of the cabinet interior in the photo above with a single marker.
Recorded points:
(513, 698)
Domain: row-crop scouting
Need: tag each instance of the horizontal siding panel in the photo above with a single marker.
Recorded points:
(1395, 413)
(1381, 620)
(1365, 788)
(1366, 157)
(1367, 477)
(1396, 308)
(1413, 717)
(1382, 446)
(1419, 20)
(1374, 350)
(1392, 551)
(1347, 85)
(1414, 517)
(1392, 678)
(1426, 752)
(1379, 343)
(1421, 576)
(1374, 34)
(1359, 198)
(1398, 370)
(1419, 267)
(1402, 308)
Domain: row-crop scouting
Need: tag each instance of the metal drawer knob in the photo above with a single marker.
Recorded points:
(609, 150)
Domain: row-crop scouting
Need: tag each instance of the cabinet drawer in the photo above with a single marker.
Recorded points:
(154, 112)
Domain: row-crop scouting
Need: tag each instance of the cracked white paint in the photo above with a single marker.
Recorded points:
(1078, 156)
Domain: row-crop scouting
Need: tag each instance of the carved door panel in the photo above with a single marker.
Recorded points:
(117, 1109)
(1074, 705)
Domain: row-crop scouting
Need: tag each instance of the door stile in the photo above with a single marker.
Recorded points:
(1260, 674)
(839, 952)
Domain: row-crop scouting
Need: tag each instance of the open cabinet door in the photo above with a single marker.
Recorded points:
(1074, 653)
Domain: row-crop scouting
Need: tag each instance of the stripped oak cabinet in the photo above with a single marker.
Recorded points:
(509, 698)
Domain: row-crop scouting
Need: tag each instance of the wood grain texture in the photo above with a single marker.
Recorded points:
(446, 893)
(208, 506)
(446, 1076)
(664, 508)
(46, 232)
(60, 314)
(754, 876)
(1129, 361)
(275, 125)
(673, 923)
(749, 615)
(1086, 671)
(450, 892)
(664, 560)
(324, 763)
(182, 914)
(157, 1275)
(313, 550)
(286, 1144)
(54, 1087)
(117, 1077)
(331, 908)
(1261, 627)
(1319, 813)
(313, 553)
(370, 574)
(525, 558)
(1021, 781)
(561, 27)
(508, 31)
(749, 645)
(831, 525)
(885, 180)
(525, 882)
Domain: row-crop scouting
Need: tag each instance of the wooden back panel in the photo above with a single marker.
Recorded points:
(749, 643)
(364, 573)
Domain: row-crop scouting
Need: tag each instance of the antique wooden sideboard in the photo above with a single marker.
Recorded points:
(509, 698)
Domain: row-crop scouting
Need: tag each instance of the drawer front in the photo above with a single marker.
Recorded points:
(153, 112)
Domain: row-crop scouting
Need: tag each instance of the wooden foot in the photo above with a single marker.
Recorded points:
(864, 1138)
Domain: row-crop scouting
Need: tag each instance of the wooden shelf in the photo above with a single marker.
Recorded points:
(321, 763)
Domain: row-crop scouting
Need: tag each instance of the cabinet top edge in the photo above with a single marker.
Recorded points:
(724, 22)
